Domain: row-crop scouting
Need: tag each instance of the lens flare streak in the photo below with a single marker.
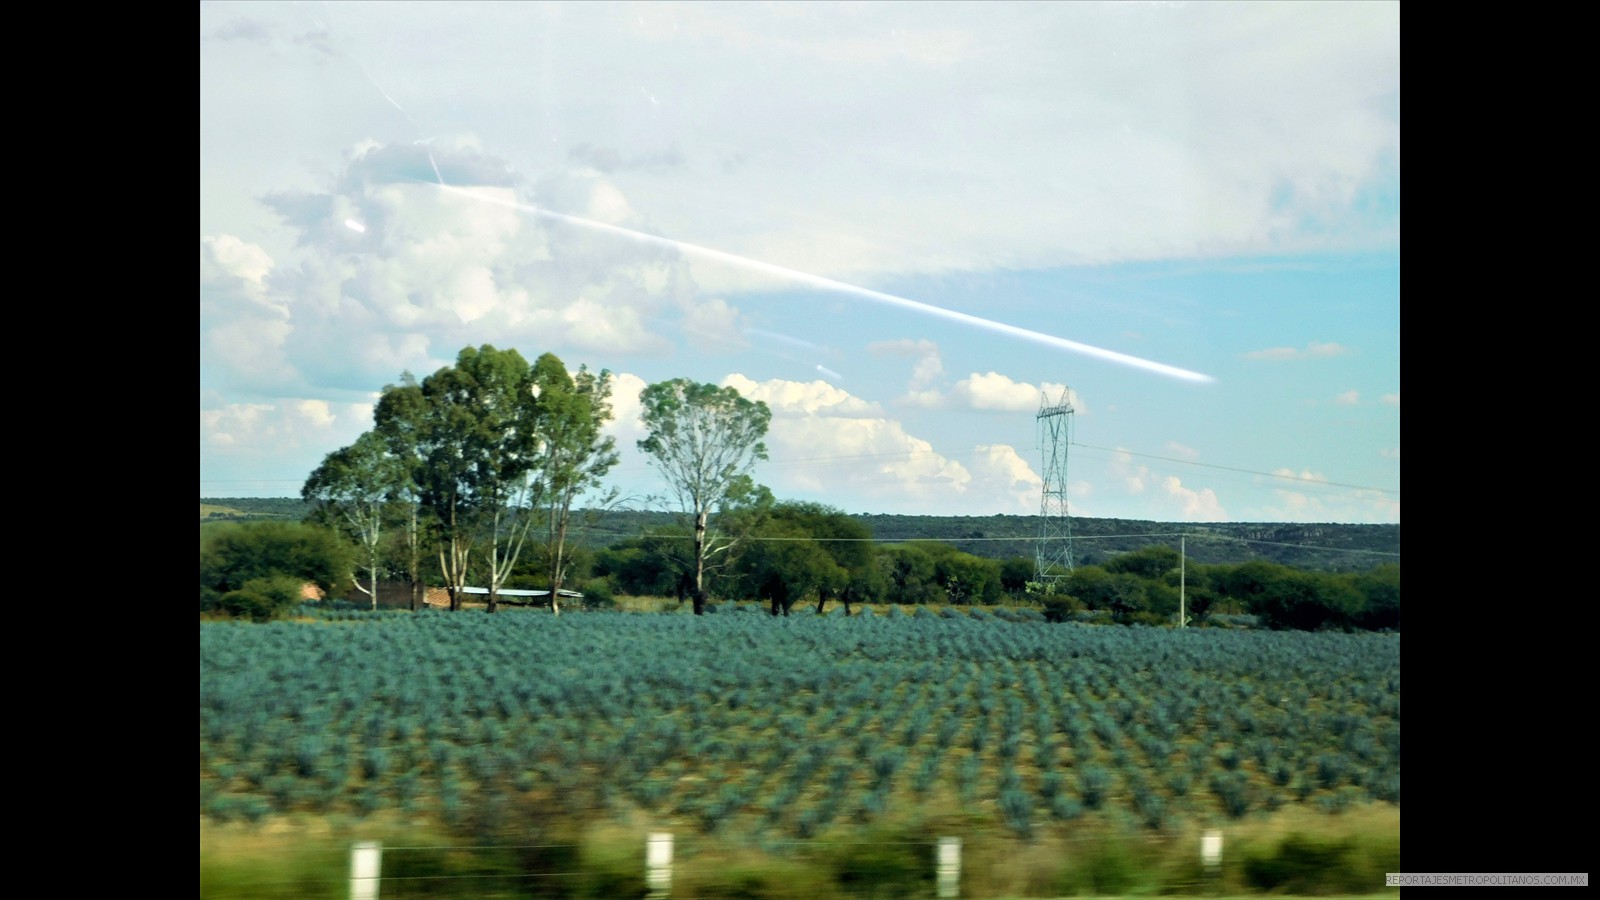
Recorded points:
(828, 284)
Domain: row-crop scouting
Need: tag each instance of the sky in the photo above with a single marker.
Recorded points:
(904, 226)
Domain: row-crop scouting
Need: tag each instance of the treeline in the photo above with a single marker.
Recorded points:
(252, 508)
(479, 477)
(793, 556)
(802, 553)
(1331, 547)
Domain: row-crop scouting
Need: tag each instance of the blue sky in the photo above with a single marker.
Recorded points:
(724, 192)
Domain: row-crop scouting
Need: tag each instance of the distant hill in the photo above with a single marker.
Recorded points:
(244, 509)
(1321, 546)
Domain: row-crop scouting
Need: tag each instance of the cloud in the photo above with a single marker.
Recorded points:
(233, 279)
(1280, 139)
(610, 159)
(1390, 453)
(1130, 475)
(273, 441)
(1390, 399)
(928, 367)
(999, 471)
(826, 442)
(1348, 398)
(903, 347)
(796, 398)
(1195, 505)
(244, 30)
(929, 399)
(712, 320)
(993, 392)
(1314, 500)
(1045, 137)
(1313, 350)
(455, 161)
(433, 270)
(626, 425)
(1302, 475)
(1345, 506)
(1165, 497)
(228, 256)
(1175, 449)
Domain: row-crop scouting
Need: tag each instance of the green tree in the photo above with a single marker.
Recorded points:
(1015, 573)
(968, 579)
(798, 550)
(1200, 592)
(568, 415)
(486, 450)
(398, 420)
(911, 573)
(244, 567)
(477, 446)
(1380, 589)
(705, 441)
(649, 565)
(351, 491)
(784, 564)
(848, 541)
(1288, 598)
(1120, 593)
(1147, 562)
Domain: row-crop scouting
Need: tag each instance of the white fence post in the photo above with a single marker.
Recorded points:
(1211, 852)
(949, 867)
(658, 863)
(366, 859)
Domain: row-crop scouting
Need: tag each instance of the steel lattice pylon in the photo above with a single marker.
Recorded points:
(1053, 556)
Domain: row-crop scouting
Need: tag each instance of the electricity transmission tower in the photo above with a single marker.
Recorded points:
(1053, 556)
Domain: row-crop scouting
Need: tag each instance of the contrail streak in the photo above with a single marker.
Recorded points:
(828, 284)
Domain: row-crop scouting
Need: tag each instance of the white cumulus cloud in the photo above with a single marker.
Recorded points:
(1313, 350)
(994, 392)
(803, 398)
(1193, 505)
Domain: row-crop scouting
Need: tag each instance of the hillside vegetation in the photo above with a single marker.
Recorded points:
(1316, 546)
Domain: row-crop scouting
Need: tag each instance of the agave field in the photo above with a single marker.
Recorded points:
(790, 727)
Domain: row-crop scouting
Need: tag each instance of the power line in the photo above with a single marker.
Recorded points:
(1190, 462)
(1020, 538)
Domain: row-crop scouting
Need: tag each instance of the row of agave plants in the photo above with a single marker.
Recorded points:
(792, 725)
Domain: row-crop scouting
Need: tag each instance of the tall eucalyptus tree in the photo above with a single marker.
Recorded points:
(482, 444)
(398, 422)
(351, 491)
(569, 412)
(705, 441)
(492, 448)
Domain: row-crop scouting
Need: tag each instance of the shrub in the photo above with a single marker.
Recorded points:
(598, 593)
(1301, 865)
(1109, 868)
(247, 565)
(883, 869)
(262, 599)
